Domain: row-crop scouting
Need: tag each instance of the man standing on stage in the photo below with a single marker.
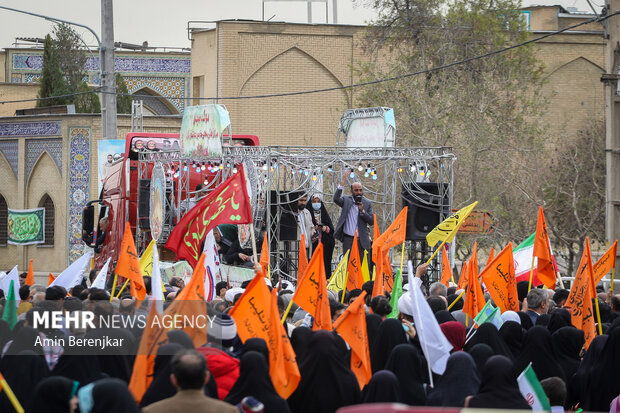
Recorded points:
(356, 215)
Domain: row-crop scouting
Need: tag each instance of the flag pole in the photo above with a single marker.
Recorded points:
(402, 257)
(113, 286)
(253, 240)
(436, 251)
(613, 274)
(288, 309)
(10, 395)
(122, 288)
(529, 287)
(598, 314)
(456, 299)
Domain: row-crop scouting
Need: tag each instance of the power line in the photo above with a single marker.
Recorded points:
(362, 84)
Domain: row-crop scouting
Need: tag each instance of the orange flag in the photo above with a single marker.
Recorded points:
(50, 279)
(311, 292)
(303, 259)
(491, 256)
(446, 271)
(394, 235)
(580, 298)
(351, 326)
(474, 297)
(256, 314)
(377, 288)
(355, 279)
(152, 337)
(464, 277)
(30, 275)
(376, 233)
(388, 275)
(191, 302)
(603, 265)
(128, 265)
(264, 253)
(542, 250)
(499, 278)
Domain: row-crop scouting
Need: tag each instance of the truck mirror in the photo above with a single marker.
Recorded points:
(88, 221)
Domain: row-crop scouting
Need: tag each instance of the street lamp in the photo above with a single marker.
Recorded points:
(108, 111)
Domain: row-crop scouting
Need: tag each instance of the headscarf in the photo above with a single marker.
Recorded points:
(83, 368)
(107, 395)
(577, 384)
(390, 334)
(603, 385)
(461, 379)
(455, 333)
(443, 316)
(52, 395)
(24, 339)
(481, 353)
(161, 387)
(373, 321)
(23, 372)
(324, 373)
(256, 344)
(538, 350)
(180, 337)
(498, 387)
(567, 344)
(406, 363)
(543, 320)
(511, 316)
(512, 334)
(559, 318)
(5, 334)
(300, 340)
(526, 321)
(487, 333)
(383, 387)
(254, 380)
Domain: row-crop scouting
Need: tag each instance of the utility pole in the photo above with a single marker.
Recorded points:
(612, 121)
(108, 74)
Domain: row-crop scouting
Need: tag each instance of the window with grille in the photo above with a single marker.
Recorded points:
(47, 203)
(4, 220)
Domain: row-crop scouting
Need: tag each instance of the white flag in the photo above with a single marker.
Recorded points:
(5, 283)
(212, 265)
(102, 276)
(73, 274)
(435, 345)
(157, 287)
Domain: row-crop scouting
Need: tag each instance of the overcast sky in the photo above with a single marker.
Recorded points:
(164, 22)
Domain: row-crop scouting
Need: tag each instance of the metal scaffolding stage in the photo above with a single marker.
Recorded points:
(279, 175)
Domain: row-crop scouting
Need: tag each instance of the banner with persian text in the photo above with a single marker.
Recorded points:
(26, 226)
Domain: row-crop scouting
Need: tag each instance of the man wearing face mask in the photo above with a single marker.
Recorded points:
(356, 215)
(324, 231)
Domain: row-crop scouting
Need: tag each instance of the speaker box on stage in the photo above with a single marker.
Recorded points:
(144, 206)
(425, 203)
(288, 221)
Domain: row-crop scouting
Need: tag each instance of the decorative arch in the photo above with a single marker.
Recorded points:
(50, 217)
(572, 62)
(290, 51)
(4, 218)
(40, 159)
(156, 102)
(36, 147)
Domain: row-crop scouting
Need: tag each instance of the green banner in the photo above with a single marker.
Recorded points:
(26, 226)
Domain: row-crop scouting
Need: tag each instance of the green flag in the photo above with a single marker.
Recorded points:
(484, 314)
(10, 308)
(397, 291)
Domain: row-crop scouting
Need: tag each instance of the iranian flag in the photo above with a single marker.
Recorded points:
(532, 391)
(522, 256)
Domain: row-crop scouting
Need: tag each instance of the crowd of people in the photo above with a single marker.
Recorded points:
(481, 370)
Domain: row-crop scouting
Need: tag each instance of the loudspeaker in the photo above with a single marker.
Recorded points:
(288, 221)
(144, 200)
(425, 203)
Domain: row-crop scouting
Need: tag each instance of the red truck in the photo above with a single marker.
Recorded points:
(118, 200)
